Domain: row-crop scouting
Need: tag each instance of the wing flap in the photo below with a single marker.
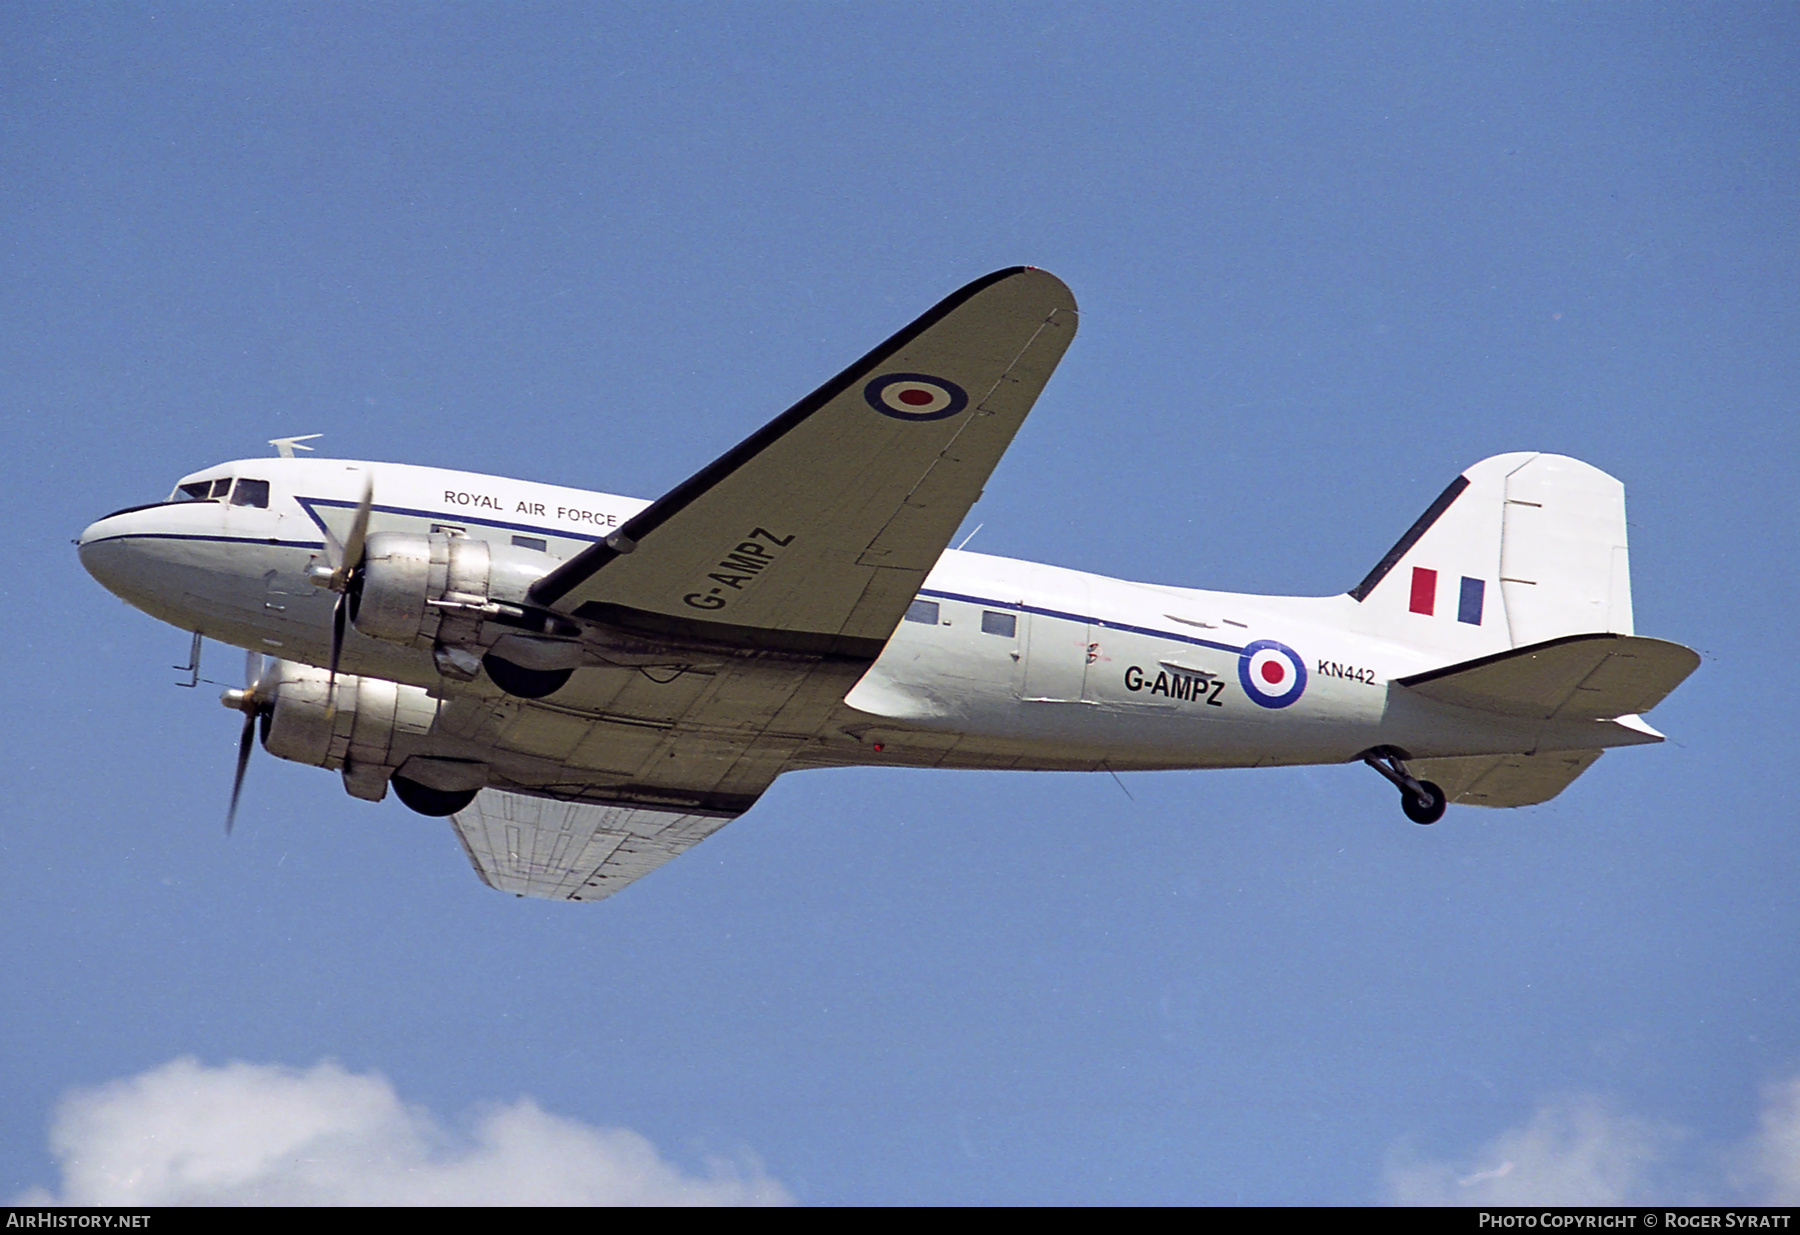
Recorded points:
(815, 533)
(1580, 677)
(574, 851)
(1505, 780)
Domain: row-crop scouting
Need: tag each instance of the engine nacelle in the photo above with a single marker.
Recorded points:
(427, 590)
(367, 731)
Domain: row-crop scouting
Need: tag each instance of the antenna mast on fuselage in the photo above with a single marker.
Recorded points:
(286, 446)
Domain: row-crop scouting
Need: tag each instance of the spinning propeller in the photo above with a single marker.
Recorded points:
(254, 705)
(340, 574)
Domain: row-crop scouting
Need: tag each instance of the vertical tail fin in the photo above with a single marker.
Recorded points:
(1519, 549)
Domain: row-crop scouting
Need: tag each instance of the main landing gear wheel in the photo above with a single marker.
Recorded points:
(522, 682)
(1430, 809)
(428, 801)
(1422, 801)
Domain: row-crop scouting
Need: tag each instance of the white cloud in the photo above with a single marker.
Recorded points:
(187, 1134)
(1580, 1152)
(1571, 1153)
(1769, 1163)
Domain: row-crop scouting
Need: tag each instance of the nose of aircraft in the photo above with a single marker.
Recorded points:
(114, 551)
(94, 532)
(106, 555)
(173, 560)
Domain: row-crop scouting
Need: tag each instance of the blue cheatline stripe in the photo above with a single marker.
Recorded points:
(397, 510)
(458, 517)
(1469, 608)
(1091, 621)
(454, 516)
(236, 540)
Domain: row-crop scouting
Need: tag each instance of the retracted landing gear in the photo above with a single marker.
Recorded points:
(436, 803)
(1422, 801)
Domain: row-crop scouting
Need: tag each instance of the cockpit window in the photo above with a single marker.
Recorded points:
(205, 490)
(251, 493)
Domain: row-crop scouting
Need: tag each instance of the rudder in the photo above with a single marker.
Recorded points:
(1564, 566)
(1520, 548)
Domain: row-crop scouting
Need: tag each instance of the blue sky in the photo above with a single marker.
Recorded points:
(1326, 258)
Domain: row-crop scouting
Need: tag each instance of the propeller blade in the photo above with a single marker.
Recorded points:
(253, 671)
(359, 529)
(344, 557)
(334, 552)
(340, 614)
(246, 743)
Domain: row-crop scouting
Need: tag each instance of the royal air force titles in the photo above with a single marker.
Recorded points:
(571, 514)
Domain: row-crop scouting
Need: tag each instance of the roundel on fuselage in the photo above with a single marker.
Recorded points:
(915, 396)
(1272, 674)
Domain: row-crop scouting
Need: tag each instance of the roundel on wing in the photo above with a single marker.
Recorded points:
(1272, 674)
(915, 396)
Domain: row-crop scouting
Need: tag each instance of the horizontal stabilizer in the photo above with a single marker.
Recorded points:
(1577, 677)
(1505, 780)
(573, 851)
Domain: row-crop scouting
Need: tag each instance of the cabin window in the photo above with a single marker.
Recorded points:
(993, 623)
(531, 542)
(923, 611)
(251, 493)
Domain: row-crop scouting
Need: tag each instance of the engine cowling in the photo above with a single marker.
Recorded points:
(466, 600)
(426, 590)
(366, 736)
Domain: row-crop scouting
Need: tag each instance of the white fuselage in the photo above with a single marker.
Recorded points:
(1033, 665)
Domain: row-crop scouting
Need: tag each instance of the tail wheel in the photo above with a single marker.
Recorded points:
(1429, 811)
(428, 801)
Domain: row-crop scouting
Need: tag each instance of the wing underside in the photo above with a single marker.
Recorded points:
(573, 851)
(763, 584)
(814, 534)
